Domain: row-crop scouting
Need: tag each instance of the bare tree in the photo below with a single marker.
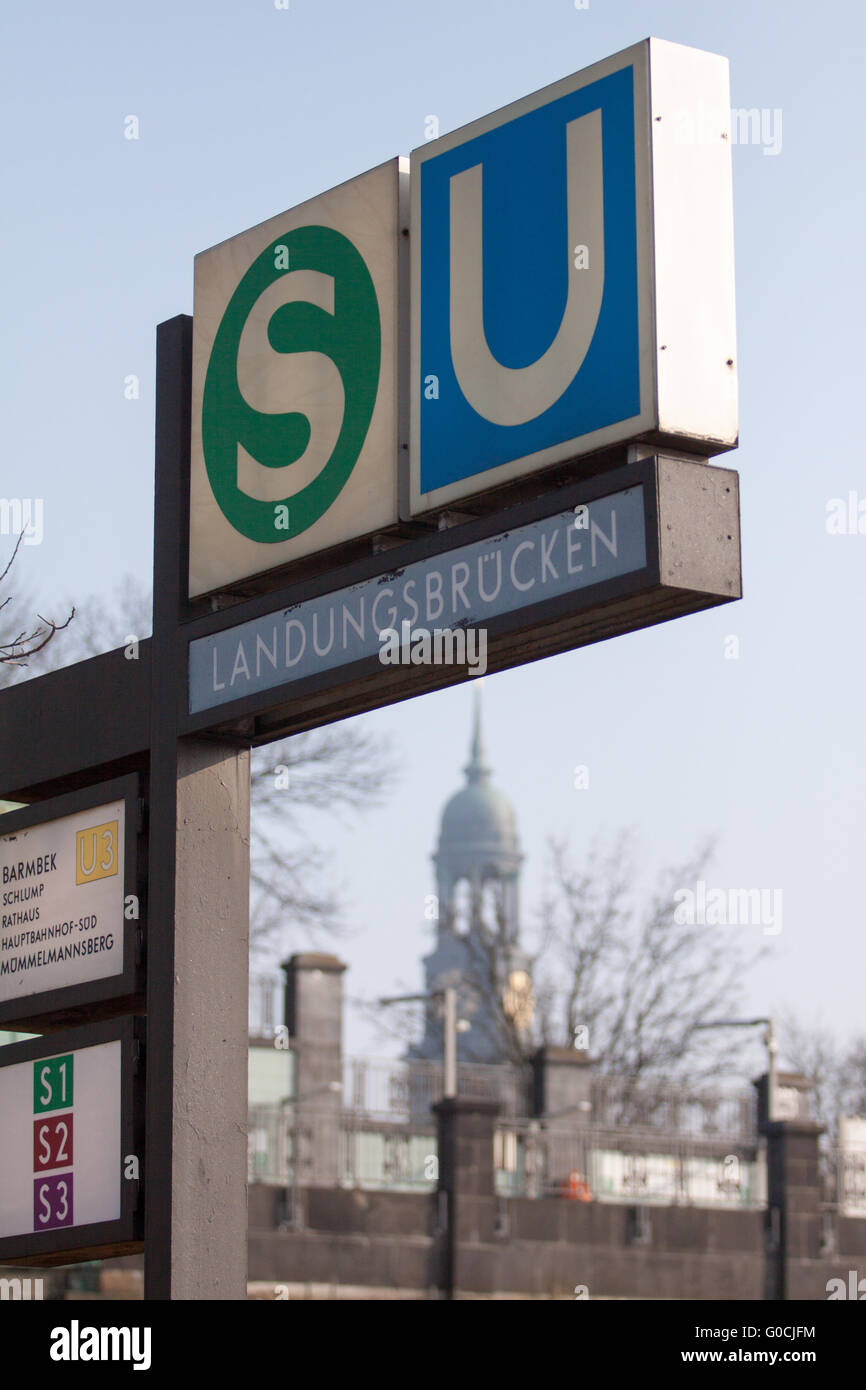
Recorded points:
(621, 977)
(295, 899)
(837, 1072)
(23, 639)
(854, 1071)
(613, 972)
(328, 772)
(632, 981)
(497, 989)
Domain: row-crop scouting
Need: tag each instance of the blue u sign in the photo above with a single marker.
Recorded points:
(526, 304)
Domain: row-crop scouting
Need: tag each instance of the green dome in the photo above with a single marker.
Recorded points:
(479, 817)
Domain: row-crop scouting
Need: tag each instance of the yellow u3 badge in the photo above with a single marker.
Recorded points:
(96, 852)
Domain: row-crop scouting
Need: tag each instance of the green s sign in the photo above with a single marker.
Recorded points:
(350, 337)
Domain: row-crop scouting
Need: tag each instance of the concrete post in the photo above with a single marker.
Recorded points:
(562, 1081)
(793, 1186)
(466, 1192)
(211, 959)
(314, 1018)
(562, 1094)
(198, 793)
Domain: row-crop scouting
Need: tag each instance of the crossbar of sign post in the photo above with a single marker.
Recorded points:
(451, 416)
(624, 553)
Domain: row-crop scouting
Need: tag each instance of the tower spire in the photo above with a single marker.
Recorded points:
(477, 861)
(476, 769)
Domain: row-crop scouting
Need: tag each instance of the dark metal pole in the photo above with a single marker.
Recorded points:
(173, 391)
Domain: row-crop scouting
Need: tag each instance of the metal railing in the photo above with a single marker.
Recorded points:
(628, 1142)
(393, 1091)
(316, 1147)
(843, 1178)
(627, 1166)
(324, 1148)
(267, 1005)
(667, 1109)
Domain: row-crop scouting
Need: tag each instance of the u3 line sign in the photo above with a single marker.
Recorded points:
(71, 897)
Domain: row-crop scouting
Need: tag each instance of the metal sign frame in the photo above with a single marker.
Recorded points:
(148, 739)
(109, 995)
(96, 1240)
(673, 206)
(346, 211)
(639, 599)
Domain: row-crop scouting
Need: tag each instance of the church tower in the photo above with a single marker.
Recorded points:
(477, 948)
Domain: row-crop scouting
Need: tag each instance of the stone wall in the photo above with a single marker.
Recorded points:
(464, 1241)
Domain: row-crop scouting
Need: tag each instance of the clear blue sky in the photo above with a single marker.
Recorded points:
(246, 110)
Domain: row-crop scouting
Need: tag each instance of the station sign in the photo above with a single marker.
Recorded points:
(572, 283)
(465, 588)
(295, 382)
(570, 294)
(71, 908)
(70, 1144)
(653, 540)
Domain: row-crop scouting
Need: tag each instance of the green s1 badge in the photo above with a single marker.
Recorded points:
(350, 337)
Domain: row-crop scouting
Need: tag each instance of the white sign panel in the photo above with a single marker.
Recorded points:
(60, 1141)
(61, 902)
(667, 1178)
(294, 388)
(572, 276)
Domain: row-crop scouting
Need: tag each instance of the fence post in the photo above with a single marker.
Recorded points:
(466, 1191)
(314, 1018)
(793, 1233)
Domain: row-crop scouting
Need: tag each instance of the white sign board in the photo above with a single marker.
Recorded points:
(667, 1178)
(573, 276)
(294, 385)
(60, 1141)
(62, 902)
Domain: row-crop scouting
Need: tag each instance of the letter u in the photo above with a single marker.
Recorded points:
(85, 834)
(316, 635)
(514, 395)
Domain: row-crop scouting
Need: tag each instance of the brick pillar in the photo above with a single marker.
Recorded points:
(466, 1195)
(793, 1233)
(562, 1081)
(562, 1094)
(314, 1018)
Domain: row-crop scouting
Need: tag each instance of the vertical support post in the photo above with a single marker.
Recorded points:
(793, 1229)
(314, 1018)
(466, 1191)
(173, 405)
(198, 870)
(772, 1054)
(209, 1130)
(450, 1068)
